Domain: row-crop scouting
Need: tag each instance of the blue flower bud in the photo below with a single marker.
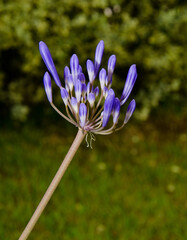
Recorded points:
(91, 99)
(98, 56)
(74, 66)
(64, 95)
(105, 91)
(70, 82)
(129, 84)
(81, 77)
(78, 90)
(46, 56)
(90, 69)
(47, 86)
(130, 111)
(111, 66)
(84, 89)
(82, 114)
(74, 104)
(116, 110)
(102, 78)
(108, 106)
(96, 91)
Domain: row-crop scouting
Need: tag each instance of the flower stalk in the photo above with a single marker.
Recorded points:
(84, 108)
(56, 180)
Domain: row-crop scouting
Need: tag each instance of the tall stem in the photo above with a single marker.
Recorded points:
(48, 194)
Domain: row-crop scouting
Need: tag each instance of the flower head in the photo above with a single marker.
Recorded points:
(84, 107)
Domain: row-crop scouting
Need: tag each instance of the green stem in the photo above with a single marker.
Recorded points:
(48, 194)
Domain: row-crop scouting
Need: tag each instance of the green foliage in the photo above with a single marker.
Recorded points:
(148, 33)
(127, 187)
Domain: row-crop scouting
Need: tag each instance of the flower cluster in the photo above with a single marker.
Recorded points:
(89, 107)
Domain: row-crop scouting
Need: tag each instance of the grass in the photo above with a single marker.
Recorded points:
(132, 185)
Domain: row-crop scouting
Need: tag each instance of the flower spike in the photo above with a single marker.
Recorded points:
(89, 107)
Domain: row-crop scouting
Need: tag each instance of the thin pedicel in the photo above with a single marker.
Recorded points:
(85, 109)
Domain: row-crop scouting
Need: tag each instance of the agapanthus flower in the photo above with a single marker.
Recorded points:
(88, 106)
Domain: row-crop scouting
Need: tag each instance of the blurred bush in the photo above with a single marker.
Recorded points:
(148, 33)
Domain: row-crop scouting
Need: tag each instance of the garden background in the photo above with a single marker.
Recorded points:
(132, 184)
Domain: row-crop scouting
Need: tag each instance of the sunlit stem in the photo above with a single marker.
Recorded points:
(56, 180)
(117, 129)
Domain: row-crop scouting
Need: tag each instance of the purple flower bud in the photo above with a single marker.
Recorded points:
(78, 90)
(105, 91)
(130, 111)
(90, 69)
(64, 95)
(108, 106)
(130, 81)
(91, 99)
(84, 89)
(74, 104)
(46, 56)
(70, 82)
(96, 91)
(74, 65)
(47, 86)
(102, 78)
(88, 88)
(80, 69)
(82, 114)
(66, 73)
(98, 56)
(81, 77)
(111, 66)
(116, 110)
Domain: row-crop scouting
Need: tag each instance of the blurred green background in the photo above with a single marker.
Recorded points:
(132, 184)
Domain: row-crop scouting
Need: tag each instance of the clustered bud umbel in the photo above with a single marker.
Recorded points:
(84, 107)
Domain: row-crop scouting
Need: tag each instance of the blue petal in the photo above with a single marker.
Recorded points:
(98, 56)
(130, 111)
(47, 86)
(82, 114)
(108, 106)
(129, 84)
